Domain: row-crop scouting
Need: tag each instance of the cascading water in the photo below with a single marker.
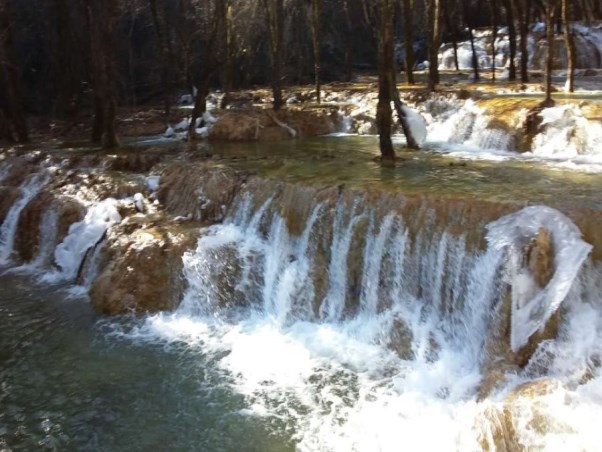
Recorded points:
(32, 185)
(347, 367)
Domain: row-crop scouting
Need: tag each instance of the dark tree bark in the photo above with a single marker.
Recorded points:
(228, 54)
(11, 99)
(159, 24)
(522, 9)
(511, 39)
(469, 13)
(385, 77)
(433, 8)
(408, 34)
(101, 17)
(494, 17)
(67, 70)
(348, 43)
(209, 66)
(550, 13)
(316, 13)
(570, 47)
(451, 21)
(274, 13)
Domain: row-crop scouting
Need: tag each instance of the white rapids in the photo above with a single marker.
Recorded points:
(405, 357)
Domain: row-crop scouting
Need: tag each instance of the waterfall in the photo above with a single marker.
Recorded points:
(357, 368)
(30, 187)
(48, 237)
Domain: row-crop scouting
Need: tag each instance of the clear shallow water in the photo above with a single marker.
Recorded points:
(350, 160)
(67, 383)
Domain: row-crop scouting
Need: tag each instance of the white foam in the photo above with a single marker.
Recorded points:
(335, 379)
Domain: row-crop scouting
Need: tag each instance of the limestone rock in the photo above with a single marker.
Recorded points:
(202, 191)
(28, 237)
(143, 269)
(263, 125)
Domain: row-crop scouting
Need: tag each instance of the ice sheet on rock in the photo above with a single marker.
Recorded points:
(416, 123)
(83, 236)
(533, 306)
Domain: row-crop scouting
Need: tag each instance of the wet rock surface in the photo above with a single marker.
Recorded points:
(261, 125)
(143, 268)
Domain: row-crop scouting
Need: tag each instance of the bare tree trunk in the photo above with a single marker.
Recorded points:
(451, 21)
(550, 11)
(475, 60)
(274, 11)
(385, 78)
(229, 54)
(316, 11)
(348, 46)
(434, 33)
(200, 104)
(108, 14)
(67, 82)
(455, 46)
(10, 77)
(469, 13)
(493, 37)
(209, 67)
(570, 48)
(511, 39)
(161, 32)
(101, 15)
(522, 9)
(408, 33)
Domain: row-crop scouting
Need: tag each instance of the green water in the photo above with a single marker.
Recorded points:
(351, 161)
(68, 384)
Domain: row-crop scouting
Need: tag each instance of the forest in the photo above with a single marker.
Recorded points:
(75, 60)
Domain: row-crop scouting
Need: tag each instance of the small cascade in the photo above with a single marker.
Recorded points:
(83, 236)
(468, 125)
(32, 185)
(334, 303)
(567, 134)
(48, 238)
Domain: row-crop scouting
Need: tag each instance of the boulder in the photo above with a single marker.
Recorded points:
(143, 269)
